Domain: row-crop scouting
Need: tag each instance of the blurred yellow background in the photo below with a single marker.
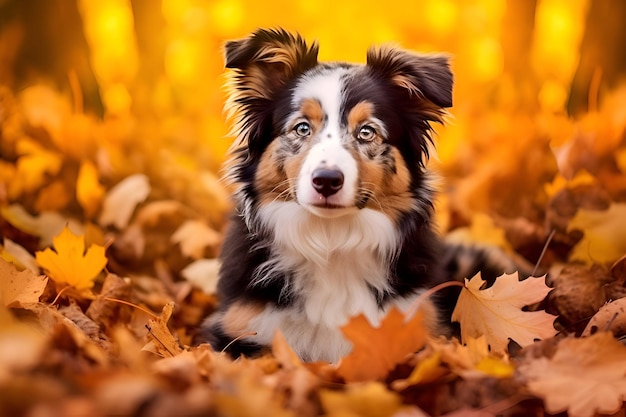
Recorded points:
(93, 91)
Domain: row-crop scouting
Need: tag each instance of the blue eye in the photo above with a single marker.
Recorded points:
(302, 129)
(366, 133)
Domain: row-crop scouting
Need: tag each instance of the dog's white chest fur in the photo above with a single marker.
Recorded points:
(335, 264)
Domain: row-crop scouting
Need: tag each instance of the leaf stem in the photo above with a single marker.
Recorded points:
(416, 304)
(128, 303)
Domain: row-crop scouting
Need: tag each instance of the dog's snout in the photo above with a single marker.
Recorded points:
(327, 181)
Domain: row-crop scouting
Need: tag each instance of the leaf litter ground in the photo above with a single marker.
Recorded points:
(77, 338)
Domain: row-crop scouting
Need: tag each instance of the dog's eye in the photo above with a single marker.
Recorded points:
(302, 129)
(366, 133)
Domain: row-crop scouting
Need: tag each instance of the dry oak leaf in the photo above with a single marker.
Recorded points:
(377, 350)
(496, 312)
(71, 264)
(19, 289)
(162, 341)
(585, 376)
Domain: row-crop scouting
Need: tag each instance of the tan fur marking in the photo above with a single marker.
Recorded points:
(236, 320)
(359, 113)
(391, 193)
(312, 110)
(294, 164)
(270, 182)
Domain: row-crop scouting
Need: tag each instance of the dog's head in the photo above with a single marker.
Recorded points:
(333, 137)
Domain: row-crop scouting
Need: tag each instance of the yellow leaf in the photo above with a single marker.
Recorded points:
(496, 312)
(585, 376)
(70, 264)
(89, 191)
(33, 165)
(481, 230)
(369, 400)
(495, 367)
(427, 370)
(605, 234)
(582, 177)
(19, 289)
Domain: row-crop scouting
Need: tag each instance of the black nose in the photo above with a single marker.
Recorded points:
(327, 181)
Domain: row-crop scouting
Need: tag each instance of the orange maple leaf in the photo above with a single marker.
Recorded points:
(71, 264)
(496, 312)
(377, 350)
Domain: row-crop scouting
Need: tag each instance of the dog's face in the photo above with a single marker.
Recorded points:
(335, 138)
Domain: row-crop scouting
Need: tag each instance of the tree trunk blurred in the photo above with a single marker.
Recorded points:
(44, 39)
(602, 57)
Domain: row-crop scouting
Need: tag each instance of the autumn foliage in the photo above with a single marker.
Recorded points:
(112, 214)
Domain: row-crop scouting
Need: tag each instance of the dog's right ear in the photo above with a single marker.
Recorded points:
(266, 60)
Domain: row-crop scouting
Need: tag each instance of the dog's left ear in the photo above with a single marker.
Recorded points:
(426, 76)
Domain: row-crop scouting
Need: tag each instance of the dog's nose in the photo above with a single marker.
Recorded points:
(327, 181)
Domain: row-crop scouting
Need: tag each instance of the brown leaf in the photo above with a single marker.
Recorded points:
(377, 350)
(106, 311)
(584, 377)
(162, 342)
(19, 289)
(610, 318)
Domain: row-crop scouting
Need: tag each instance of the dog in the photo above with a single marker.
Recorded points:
(334, 202)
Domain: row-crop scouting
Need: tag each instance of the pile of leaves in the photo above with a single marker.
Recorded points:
(107, 266)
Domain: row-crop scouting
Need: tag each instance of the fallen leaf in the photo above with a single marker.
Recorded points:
(429, 368)
(17, 255)
(203, 274)
(45, 226)
(584, 377)
(104, 309)
(52, 197)
(121, 200)
(473, 359)
(372, 399)
(89, 191)
(611, 317)
(579, 291)
(194, 236)
(19, 289)
(496, 312)
(604, 237)
(162, 342)
(69, 264)
(481, 230)
(33, 165)
(21, 347)
(377, 350)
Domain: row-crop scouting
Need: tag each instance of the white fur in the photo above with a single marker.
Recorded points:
(328, 152)
(335, 262)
